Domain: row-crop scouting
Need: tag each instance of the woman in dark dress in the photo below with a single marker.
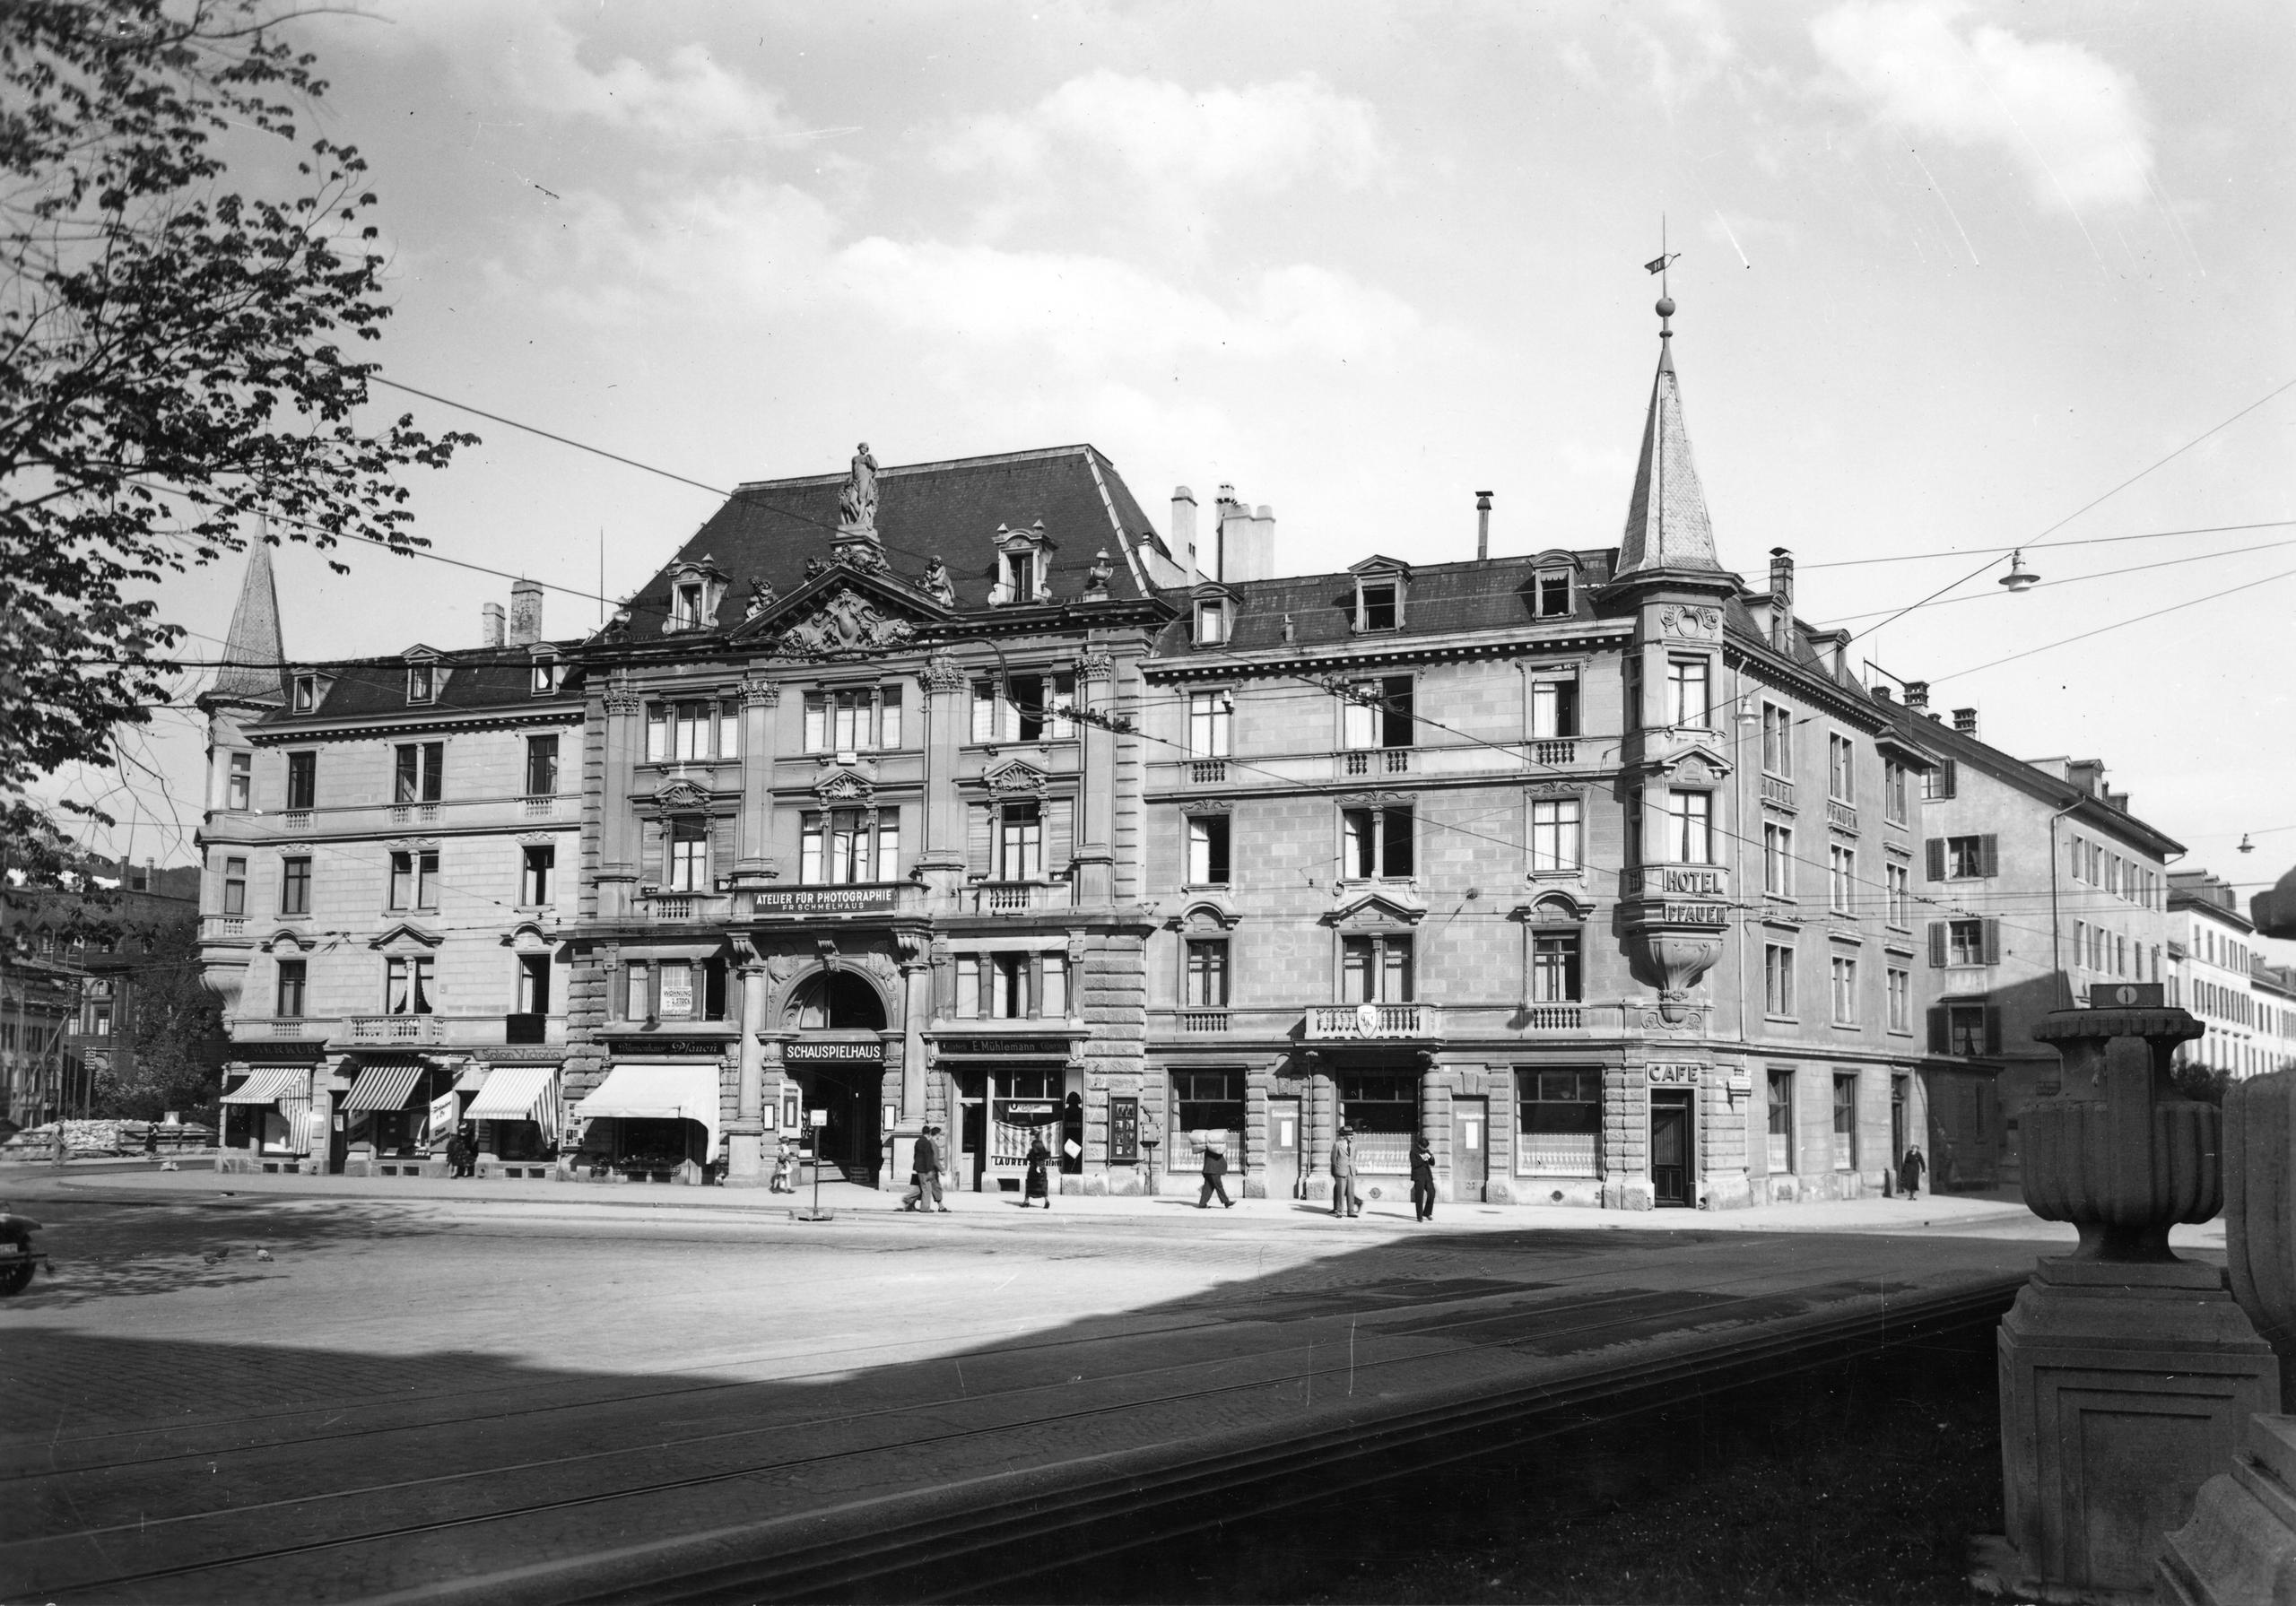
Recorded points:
(1038, 1186)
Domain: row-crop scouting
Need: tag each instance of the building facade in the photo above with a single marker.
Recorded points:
(388, 849)
(2216, 978)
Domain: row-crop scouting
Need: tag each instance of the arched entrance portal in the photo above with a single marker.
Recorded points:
(838, 1063)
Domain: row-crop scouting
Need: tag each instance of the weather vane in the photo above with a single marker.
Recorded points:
(1658, 264)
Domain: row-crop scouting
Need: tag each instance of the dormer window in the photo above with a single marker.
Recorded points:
(546, 677)
(1381, 583)
(696, 588)
(1023, 565)
(685, 606)
(1554, 592)
(1021, 576)
(1378, 608)
(422, 682)
(307, 693)
(1211, 622)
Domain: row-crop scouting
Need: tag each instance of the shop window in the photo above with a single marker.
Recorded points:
(1208, 850)
(1375, 970)
(1024, 707)
(537, 866)
(1777, 980)
(1554, 709)
(1376, 844)
(1845, 1122)
(239, 783)
(1690, 699)
(542, 766)
(1562, 1120)
(1781, 1122)
(687, 839)
(1377, 1105)
(414, 878)
(840, 846)
(855, 719)
(1211, 719)
(295, 885)
(1778, 740)
(1689, 827)
(1208, 1101)
(1205, 982)
(419, 774)
(1555, 844)
(302, 780)
(235, 887)
(406, 986)
(287, 1002)
(1376, 714)
(1555, 974)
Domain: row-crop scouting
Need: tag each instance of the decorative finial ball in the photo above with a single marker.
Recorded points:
(1666, 306)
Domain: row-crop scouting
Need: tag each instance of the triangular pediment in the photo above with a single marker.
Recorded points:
(1375, 911)
(841, 785)
(1697, 763)
(844, 608)
(1015, 776)
(678, 793)
(404, 937)
(1378, 563)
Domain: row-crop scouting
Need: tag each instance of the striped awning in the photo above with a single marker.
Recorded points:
(515, 1093)
(268, 1084)
(384, 1086)
(656, 1093)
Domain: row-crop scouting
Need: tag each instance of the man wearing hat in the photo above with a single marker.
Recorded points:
(1215, 1172)
(1344, 1200)
(924, 1190)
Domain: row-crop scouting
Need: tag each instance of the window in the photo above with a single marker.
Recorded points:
(1778, 980)
(1205, 985)
(1691, 827)
(235, 886)
(1841, 769)
(1941, 783)
(1554, 592)
(414, 877)
(1841, 879)
(1555, 977)
(685, 605)
(1208, 850)
(1845, 1122)
(1556, 834)
(1965, 1034)
(1901, 999)
(1211, 622)
(674, 990)
(1207, 1101)
(840, 845)
(534, 984)
(1560, 1115)
(407, 986)
(1020, 577)
(295, 885)
(1844, 990)
(1378, 608)
(1781, 1122)
(240, 782)
(1377, 713)
(302, 780)
(537, 868)
(688, 839)
(1777, 860)
(1375, 970)
(997, 986)
(1893, 792)
(422, 682)
(288, 1002)
(1777, 740)
(1554, 709)
(1965, 942)
(1209, 716)
(1689, 700)
(421, 772)
(543, 677)
(542, 766)
(861, 718)
(307, 693)
(1966, 857)
(1375, 843)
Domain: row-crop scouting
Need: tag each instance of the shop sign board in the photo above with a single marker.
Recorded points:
(1695, 914)
(1124, 1130)
(1008, 1047)
(802, 1053)
(626, 1048)
(1675, 1076)
(826, 900)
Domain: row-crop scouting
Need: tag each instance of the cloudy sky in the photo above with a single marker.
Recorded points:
(1948, 273)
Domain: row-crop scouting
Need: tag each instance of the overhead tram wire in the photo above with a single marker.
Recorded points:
(2105, 574)
(2118, 624)
(2048, 546)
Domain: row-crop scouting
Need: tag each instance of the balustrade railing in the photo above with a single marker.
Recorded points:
(1206, 772)
(395, 1029)
(1196, 1022)
(1338, 1021)
(1554, 752)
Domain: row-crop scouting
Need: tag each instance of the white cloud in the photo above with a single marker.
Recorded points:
(1162, 135)
(2071, 121)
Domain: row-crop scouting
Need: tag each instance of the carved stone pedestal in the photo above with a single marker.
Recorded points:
(745, 1166)
(2240, 1546)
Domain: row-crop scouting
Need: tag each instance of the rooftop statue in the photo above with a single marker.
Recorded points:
(856, 503)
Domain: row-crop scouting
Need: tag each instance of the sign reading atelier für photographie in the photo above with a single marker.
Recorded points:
(828, 900)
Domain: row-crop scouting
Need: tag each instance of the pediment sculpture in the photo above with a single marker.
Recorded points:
(1016, 777)
(848, 622)
(681, 795)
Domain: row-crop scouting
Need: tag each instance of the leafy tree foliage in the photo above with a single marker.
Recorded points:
(176, 1029)
(170, 375)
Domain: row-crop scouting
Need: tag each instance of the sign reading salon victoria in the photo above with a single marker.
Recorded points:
(826, 900)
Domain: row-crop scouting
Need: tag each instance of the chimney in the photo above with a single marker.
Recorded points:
(2088, 774)
(1246, 542)
(2118, 799)
(1882, 693)
(1965, 721)
(1230, 521)
(1781, 600)
(1184, 529)
(526, 612)
(489, 624)
(1916, 695)
(1482, 525)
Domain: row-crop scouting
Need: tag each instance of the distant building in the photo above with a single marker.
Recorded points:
(2217, 976)
(2275, 988)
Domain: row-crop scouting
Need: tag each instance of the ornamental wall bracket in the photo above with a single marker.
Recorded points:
(1672, 963)
(760, 694)
(943, 672)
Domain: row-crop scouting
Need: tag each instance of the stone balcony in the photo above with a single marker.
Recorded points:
(1374, 1023)
(1015, 898)
(390, 1031)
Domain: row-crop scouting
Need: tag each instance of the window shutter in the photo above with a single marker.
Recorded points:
(1949, 775)
(1936, 945)
(1989, 855)
(1059, 833)
(1933, 850)
(1992, 939)
(721, 845)
(1992, 1030)
(1937, 1039)
(654, 863)
(980, 835)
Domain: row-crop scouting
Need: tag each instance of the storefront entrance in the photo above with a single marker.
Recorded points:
(1282, 1149)
(1381, 1108)
(1470, 1147)
(1672, 1158)
(1002, 1110)
(851, 1091)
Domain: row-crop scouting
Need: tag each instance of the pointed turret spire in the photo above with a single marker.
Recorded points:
(254, 653)
(1666, 526)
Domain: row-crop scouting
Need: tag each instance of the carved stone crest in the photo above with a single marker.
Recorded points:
(848, 622)
(1689, 622)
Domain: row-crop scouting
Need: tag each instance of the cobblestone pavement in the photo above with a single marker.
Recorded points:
(247, 1392)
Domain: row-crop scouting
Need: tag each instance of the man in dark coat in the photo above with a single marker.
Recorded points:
(1215, 1172)
(925, 1193)
(1909, 1171)
(1344, 1200)
(1423, 1178)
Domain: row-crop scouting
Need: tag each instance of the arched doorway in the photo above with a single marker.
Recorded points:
(838, 1063)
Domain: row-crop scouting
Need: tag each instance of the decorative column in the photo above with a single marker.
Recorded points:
(745, 1165)
(1096, 793)
(2126, 1374)
(946, 717)
(916, 1016)
(617, 823)
(754, 842)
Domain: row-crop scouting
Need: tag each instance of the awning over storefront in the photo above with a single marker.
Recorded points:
(516, 1093)
(656, 1093)
(384, 1086)
(268, 1084)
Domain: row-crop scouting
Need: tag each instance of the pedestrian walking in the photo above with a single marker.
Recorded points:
(1215, 1179)
(1909, 1171)
(454, 1156)
(1422, 1177)
(785, 1168)
(470, 1151)
(1344, 1200)
(924, 1182)
(1039, 1186)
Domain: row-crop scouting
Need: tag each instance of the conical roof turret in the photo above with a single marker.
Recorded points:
(254, 655)
(1666, 526)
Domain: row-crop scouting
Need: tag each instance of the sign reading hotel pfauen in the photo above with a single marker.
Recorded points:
(801, 1052)
(826, 900)
(1675, 1076)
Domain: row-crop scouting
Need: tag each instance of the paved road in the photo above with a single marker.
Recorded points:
(543, 1394)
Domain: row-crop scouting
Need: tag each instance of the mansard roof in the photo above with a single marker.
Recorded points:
(778, 530)
(479, 680)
